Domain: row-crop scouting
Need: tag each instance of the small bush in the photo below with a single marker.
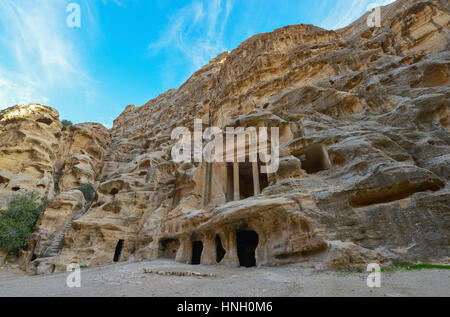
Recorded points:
(88, 191)
(66, 123)
(17, 223)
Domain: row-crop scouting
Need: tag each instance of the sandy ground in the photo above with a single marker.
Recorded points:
(129, 279)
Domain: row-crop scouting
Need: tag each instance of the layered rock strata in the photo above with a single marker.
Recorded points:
(363, 118)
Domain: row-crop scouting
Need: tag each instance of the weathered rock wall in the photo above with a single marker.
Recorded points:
(364, 168)
(38, 154)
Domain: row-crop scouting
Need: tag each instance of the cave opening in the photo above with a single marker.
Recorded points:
(168, 248)
(315, 159)
(118, 251)
(197, 249)
(3, 180)
(247, 242)
(46, 121)
(220, 251)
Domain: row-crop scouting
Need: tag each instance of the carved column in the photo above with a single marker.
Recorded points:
(230, 244)
(209, 249)
(237, 192)
(207, 189)
(256, 185)
(184, 254)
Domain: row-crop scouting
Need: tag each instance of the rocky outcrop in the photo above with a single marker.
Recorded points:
(363, 118)
(38, 154)
(29, 147)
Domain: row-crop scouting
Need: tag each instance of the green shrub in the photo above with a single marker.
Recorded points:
(397, 265)
(88, 191)
(66, 123)
(18, 221)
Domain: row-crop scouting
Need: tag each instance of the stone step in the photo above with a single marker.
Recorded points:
(56, 246)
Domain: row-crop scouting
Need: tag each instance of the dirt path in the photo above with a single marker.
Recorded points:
(129, 279)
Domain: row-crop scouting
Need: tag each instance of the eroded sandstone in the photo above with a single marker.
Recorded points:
(364, 175)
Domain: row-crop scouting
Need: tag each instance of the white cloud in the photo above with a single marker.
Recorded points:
(18, 89)
(346, 12)
(39, 51)
(120, 3)
(196, 31)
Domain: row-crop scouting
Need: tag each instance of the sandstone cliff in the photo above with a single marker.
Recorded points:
(364, 170)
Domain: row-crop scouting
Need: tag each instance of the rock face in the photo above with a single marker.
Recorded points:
(363, 118)
(38, 154)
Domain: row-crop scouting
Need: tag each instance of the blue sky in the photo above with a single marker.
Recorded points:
(129, 51)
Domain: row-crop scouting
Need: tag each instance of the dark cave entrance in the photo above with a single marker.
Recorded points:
(118, 251)
(315, 159)
(168, 248)
(247, 241)
(197, 249)
(220, 251)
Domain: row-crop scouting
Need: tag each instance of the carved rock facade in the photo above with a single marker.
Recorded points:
(363, 117)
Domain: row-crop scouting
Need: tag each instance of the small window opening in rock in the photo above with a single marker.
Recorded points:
(114, 191)
(144, 165)
(15, 189)
(197, 249)
(33, 257)
(3, 180)
(220, 251)
(315, 159)
(247, 242)
(168, 248)
(118, 251)
(45, 121)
